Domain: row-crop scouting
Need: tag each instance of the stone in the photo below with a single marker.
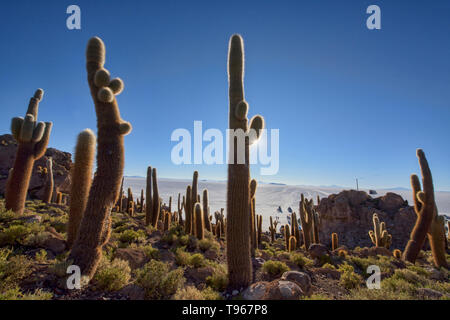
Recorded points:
(235, 292)
(199, 274)
(317, 250)
(136, 258)
(427, 293)
(255, 291)
(302, 279)
(211, 254)
(374, 251)
(55, 244)
(133, 292)
(282, 290)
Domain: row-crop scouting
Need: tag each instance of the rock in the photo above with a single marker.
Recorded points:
(427, 293)
(211, 254)
(282, 290)
(374, 251)
(234, 292)
(31, 219)
(61, 167)
(54, 243)
(167, 256)
(350, 212)
(317, 250)
(328, 272)
(258, 262)
(300, 278)
(255, 291)
(133, 292)
(199, 274)
(136, 258)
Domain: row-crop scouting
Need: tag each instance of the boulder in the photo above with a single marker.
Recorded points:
(136, 258)
(427, 293)
(282, 290)
(302, 279)
(255, 291)
(317, 250)
(61, 167)
(54, 243)
(133, 292)
(349, 214)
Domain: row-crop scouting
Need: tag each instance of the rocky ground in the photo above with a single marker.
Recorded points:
(142, 263)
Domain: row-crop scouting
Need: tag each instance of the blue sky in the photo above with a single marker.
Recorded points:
(349, 102)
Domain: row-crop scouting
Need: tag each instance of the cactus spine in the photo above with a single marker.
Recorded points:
(95, 227)
(238, 195)
(424, 206)
(49, 183)
(81, 177)
(32, 138)
(334, 241)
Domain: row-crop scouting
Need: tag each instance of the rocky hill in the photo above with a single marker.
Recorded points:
(350, 212)
(61, 167)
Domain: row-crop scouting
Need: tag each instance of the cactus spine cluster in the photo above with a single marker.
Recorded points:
(424, 206)
(95, 227)
(379, 235)
(238, 194)
(49, 183)
(32, 138)
(81, 179)
(334, 241)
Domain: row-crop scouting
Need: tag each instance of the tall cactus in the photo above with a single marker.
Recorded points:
(95, 227)
(180, 209)
(188, 225)
(306, 209)
(287, 236)
(207, 223)
(238, 195)
(81, 180)
(49, 182)
(153, 203)
(273, 229)
(424, 206)
(199, 221)
(32, 138)
(252, 216)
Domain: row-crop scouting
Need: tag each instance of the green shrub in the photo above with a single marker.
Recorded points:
(16, 294)
(192, 293)
(349, 279)
(129, 236)
(197, 260)
(219, 279)
(152, 253)
(182, 257)
(112, 276)
(300, 260)
(41, 256)
(13, 269)
(158, 281)
(275, 268)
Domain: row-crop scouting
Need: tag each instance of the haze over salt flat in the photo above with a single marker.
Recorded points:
(268, 196)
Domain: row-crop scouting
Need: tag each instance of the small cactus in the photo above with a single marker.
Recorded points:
(49, 183)
(379, 235)
(334, 241)
(206, 211)
(397, 254)
(292, 243)
(287, 235)
(199, 221)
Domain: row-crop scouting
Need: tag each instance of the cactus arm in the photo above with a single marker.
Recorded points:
(41, 146)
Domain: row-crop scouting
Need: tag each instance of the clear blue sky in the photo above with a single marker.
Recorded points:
(349, 102)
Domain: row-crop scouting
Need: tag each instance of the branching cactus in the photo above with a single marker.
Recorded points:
(436, 232)
(81, 180)
(49, 182)
(306, 209)
(379, 235)
(95, 227)
(32, 138)
(238, 194)
(272, 230)
(424, 206)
